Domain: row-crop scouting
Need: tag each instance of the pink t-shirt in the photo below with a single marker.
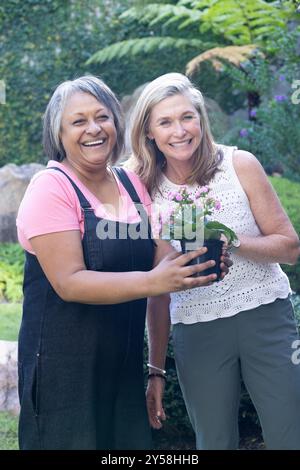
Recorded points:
(50, 204)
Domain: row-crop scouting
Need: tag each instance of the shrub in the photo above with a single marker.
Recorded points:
(270, 132)
(273, 137)
(11, 272)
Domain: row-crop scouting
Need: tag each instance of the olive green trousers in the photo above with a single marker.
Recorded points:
(256, 345)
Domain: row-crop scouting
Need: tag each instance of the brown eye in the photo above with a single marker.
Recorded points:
(103, 117)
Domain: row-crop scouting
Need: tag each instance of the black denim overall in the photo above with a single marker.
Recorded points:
(81, 366)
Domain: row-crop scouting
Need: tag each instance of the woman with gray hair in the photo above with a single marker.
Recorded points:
(89, 268)
(244, 326)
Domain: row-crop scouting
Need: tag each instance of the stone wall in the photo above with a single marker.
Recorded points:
(13, 183)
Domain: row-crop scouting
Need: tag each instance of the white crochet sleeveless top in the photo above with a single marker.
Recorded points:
(249, 283)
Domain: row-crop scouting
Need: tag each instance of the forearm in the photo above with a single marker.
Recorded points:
(93, 287)
(158, 327)
(273, 248)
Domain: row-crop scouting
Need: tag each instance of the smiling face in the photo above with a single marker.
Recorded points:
(175, 126)
(88, 132)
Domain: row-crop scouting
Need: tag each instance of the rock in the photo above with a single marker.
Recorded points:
(13, 183)
(219, 120)
(9, 400)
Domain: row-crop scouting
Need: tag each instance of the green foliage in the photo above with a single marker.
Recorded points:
(45, 43)
(145, 45)
(10, 319)
(271, 133)
(8, 431)
(238, 23)
(247, 22)
(42, 44)
(11, 272)
(296, 304)
(274, 138)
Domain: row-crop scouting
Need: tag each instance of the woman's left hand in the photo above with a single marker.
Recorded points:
(154, 396)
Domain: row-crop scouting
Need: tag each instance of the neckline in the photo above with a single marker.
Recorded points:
(176, 185)
(171, 182)
(90, 196)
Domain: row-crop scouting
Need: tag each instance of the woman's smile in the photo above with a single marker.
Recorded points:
(175, 127)
(88, 132)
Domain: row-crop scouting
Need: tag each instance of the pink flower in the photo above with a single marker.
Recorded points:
(217, 205)
(178, 197)
(204, 189)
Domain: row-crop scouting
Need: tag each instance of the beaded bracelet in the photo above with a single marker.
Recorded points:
(162, 376)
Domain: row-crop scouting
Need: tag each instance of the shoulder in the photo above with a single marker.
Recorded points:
(244, 160)
(47, 189)
(249, 171)
(247, 165)
(48, 176)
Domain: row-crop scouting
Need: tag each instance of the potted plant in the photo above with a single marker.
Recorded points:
(188, 219)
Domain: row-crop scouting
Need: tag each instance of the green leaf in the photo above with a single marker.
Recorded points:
(132, 47)
(214, 229)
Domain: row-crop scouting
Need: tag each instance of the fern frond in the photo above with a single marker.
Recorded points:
(233, 54)
(155, 13)
(132, 47)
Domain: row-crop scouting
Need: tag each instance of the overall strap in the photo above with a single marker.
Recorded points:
(123, 177)
(84, 203)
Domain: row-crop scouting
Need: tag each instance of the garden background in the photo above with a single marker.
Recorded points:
(244, 56)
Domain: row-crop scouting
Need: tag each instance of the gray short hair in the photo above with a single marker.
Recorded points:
(52, 144)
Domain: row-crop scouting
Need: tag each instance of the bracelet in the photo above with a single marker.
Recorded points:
(162, 371)
(162, 376)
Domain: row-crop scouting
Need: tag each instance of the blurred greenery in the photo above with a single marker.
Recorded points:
(45, 43)
(11, 272)
(10, 319)
(270, 132)
(8, 431)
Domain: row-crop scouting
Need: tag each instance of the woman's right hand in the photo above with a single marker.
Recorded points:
(172, 274)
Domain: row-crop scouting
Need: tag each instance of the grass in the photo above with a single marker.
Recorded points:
(10, 318)
(8, 431)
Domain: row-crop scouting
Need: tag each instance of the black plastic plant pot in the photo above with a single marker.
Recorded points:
(214, 252)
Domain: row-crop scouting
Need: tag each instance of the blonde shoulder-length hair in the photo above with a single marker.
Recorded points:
(146, 160)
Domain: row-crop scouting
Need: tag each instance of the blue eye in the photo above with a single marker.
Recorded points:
(79, 121)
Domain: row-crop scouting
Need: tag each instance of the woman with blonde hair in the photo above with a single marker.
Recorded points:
(241, 327)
